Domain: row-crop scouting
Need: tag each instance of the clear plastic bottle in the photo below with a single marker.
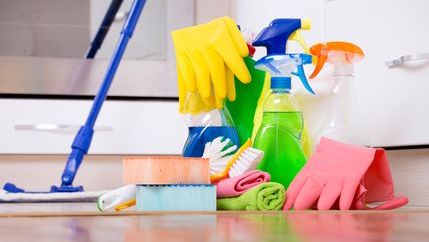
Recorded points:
(280, 135)
(340, 120)
(205, 126)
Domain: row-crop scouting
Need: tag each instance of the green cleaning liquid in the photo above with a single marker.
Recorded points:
(280, 137)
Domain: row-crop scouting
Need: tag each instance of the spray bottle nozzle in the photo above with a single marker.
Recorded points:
(282, 67)
(339, 53)
(275, 36)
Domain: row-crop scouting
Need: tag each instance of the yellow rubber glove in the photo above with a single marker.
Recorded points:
(209, 55)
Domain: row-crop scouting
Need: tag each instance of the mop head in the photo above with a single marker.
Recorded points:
(57, 197)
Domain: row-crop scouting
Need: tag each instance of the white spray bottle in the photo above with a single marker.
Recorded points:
(339, 123)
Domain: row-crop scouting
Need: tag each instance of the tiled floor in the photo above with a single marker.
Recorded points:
(65, 222)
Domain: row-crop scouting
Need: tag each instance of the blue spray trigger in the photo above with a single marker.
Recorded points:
(305, 59)
(301, 74)
(285, 65)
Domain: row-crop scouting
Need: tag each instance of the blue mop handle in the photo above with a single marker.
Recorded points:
(83, 138)
(109, 17)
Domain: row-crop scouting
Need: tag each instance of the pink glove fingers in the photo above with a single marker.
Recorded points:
(348, 192)
(308, 195)
(392, 204)
(293, 190)
(331, 192)
(343, 176)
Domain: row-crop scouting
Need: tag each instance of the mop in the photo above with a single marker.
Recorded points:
(66, 192)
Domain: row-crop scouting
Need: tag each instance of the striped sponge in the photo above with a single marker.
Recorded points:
(179, 197)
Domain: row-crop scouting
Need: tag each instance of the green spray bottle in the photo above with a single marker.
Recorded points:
(243, 108)
(280, 133)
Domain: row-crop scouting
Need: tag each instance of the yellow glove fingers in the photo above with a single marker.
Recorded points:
(208, 56)
(184, 67)
(182, 90)
(236, 36)
(202, 75)
(219, 102)
(217, 72)
(233, 60)
(230, 84)
(183, 63)
(210, 102)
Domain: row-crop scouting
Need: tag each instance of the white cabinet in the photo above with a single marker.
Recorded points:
(393, 101)
(123, 127)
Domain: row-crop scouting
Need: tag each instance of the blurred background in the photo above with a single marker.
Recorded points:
(47, 81)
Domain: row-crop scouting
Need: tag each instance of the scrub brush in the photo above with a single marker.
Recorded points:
(223, 165)
(218, 153)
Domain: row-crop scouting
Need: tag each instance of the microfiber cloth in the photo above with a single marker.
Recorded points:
(264, 197)
(233, 187)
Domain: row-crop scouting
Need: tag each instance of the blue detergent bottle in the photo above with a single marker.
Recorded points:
(206, 125)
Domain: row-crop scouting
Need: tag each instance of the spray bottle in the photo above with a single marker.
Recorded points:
(294, 36)
(338, 123)
(205, 123)
(280, 133)
(243, 108)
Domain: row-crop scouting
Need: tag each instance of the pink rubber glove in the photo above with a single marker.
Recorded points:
(233, 187)
(344, 176)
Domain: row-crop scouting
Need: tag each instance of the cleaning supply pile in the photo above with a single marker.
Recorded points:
(249, 144)
(277, 165)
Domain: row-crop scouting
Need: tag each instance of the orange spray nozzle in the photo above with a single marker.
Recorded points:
(321, 52)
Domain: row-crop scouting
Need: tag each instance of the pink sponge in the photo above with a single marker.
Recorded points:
(165, 170)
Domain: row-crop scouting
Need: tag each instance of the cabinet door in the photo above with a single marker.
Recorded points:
(123, 127)
(393, 101)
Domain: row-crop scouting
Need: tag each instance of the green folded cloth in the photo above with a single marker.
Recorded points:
(264, 197)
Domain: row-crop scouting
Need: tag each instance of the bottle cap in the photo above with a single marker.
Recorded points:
(281, 83)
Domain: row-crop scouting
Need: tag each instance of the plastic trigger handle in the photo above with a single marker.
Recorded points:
(297, 37)
(305, 59)
(319, 65)
(301, 74)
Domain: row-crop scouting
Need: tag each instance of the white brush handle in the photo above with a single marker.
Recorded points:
(116, 197)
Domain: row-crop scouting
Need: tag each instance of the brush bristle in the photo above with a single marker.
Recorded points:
(247, 161)
(219, 165)
(219, 153)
